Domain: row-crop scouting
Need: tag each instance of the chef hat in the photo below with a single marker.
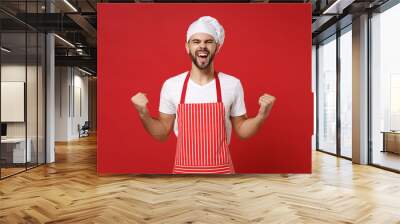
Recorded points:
(208, 25)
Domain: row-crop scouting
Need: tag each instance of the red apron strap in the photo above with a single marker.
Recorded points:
(183, 95)
(217, 84)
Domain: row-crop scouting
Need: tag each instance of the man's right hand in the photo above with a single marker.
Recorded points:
(140, 102)
(159, 127)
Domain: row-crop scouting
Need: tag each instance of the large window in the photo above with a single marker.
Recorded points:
(385, 88)
(327, 95)
(335, 137)
(346, 93)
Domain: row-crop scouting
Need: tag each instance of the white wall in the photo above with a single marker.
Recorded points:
(71, 93)
(16, 73)
(61, 103)
(80, 84)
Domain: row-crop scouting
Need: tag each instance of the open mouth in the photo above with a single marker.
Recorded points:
(202, 56)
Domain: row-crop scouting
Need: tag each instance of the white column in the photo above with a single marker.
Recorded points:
(360, 90)
(50, 110)
(50, 92)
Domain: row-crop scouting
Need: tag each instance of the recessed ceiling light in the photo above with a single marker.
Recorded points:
(337, 7)
(71, 6)
(84, 71)
(5, 50)
(64, 40)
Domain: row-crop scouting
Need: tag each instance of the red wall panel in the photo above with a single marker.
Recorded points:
(267, 46)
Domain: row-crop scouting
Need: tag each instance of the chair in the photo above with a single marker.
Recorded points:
(84, 130)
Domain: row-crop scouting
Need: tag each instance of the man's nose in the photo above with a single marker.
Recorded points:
(202, 44)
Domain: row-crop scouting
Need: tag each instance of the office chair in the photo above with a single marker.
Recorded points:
(84, 130)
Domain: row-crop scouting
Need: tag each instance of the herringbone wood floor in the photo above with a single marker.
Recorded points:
(70, 191)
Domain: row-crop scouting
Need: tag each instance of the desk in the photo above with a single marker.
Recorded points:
(15, 148)
(391, 141)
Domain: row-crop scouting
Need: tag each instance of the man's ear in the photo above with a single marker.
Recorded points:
(187, 47)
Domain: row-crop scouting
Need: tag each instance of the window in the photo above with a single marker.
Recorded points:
(385, 88)
(346, 93)
(327, 95)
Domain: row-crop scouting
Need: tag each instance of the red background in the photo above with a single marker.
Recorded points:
(267, 46)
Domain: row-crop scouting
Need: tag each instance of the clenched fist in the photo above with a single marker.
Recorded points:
(140, 102)
(266, 102)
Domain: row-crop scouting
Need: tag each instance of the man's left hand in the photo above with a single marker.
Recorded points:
(266, 102)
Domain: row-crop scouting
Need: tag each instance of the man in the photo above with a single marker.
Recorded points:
(202, 105)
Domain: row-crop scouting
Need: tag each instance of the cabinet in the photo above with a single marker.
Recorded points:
(391, 141)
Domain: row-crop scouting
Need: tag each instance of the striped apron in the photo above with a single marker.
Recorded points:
(202, 145)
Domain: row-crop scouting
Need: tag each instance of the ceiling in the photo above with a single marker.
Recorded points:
(76, 22)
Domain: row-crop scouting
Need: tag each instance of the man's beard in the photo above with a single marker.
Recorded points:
(206, 65)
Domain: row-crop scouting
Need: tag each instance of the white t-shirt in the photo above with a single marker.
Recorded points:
(231, 92)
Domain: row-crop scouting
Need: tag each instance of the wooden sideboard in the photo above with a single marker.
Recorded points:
(391, 141)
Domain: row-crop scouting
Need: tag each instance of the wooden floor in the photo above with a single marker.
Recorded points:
(5, 172)
(387, 159)
(70, 191)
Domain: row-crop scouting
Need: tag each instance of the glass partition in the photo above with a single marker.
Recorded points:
(13, 104)
(327, 95)
(22, 77)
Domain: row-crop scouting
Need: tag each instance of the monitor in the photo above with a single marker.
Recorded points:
(3, 129)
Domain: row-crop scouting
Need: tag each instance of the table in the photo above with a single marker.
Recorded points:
(13, 150)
